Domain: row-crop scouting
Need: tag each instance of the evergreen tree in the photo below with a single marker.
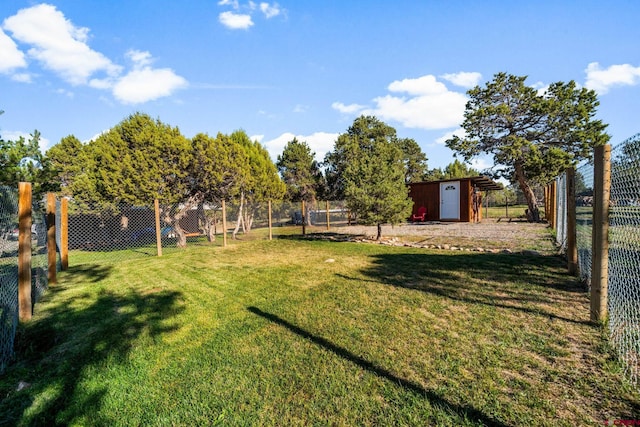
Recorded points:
(373, 173)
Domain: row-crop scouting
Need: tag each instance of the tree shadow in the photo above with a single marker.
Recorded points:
(464, 412)
(510, 281)
(53, 350)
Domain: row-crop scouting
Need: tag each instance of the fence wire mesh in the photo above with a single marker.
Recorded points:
(561, 211)
(111, 234)
(624, 254)
(623, 285)
(584, 220)
(8, 272)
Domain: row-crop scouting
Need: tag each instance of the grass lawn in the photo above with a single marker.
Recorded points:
(303, 332)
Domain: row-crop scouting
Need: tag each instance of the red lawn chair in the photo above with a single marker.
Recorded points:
(420, 215)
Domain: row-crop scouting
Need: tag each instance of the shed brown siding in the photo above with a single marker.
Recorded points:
(427, 194)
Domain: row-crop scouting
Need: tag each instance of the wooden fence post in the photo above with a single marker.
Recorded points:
(270, 225)
(51, 239)
(64, 233)
(572, 245)
(600, 233)
(156, 208)
(224, 223)
(328, 215)
(24, 251)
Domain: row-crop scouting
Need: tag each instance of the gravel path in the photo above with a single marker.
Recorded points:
(490, 234)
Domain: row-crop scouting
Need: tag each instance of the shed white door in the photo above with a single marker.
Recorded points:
(450, 200)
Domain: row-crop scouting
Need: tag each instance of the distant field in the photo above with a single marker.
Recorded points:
(303, 332)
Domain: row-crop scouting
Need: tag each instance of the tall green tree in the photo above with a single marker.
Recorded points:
(373, 173)
(259, 184)
(73, 170)
(22, 160)
(142, 159)
(216, 165)
(532, 136)
(300, 172)
(415, 161)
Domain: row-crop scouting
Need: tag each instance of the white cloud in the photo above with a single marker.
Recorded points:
(21, 77)
(58, 44)
(270, 10)
(460, 133)
(348, 109)
(300, 108)
(601, 80)
(425, 85)
(318, 142)
(146, 84)
(428, 104)
(232, 3)
(540, 87)
(235, 21)
(10, 56)
(481, 163)
(463, 79)
(14, 135)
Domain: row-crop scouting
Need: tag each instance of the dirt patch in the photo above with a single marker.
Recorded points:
(490, 234)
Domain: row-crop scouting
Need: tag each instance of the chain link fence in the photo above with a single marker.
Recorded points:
(584, 220)
(624, 254)
(9, 280)
(111, 234)
(561, 212)
(8, 272)
(623, 241)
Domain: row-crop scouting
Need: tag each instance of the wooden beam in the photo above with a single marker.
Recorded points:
(51, 239)
(24, 251)
(599, 236)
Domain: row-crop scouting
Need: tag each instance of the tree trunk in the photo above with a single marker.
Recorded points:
(235, 230)
(206, 224)
(379, 236)
(174, 220)
(533, 213)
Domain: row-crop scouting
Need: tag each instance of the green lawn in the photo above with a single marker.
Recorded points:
(303, 332)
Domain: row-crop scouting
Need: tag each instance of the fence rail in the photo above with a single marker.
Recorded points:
(607, 232)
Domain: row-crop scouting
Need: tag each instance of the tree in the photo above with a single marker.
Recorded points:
(457, 169)
(142, 159)
(216, 164)
(300, 171)
(72, 168)
(532, 136)
(415, 161)
(373, 173)
(259, 183)
(22, 160)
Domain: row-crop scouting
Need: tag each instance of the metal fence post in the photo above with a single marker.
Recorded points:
(270, 225)
(600, 240)
(572, 245)
(24, 251)
(156, 208)
(328, 215)
(224, 223)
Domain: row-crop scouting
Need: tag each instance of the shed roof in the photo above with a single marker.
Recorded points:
(485, 183)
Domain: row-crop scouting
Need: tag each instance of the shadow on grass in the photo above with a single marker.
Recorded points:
(510, 281)
(54, 351)
(464, 412)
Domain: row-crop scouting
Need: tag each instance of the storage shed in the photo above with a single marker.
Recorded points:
(458, 199)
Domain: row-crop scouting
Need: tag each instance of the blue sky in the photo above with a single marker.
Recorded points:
(303, 68)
